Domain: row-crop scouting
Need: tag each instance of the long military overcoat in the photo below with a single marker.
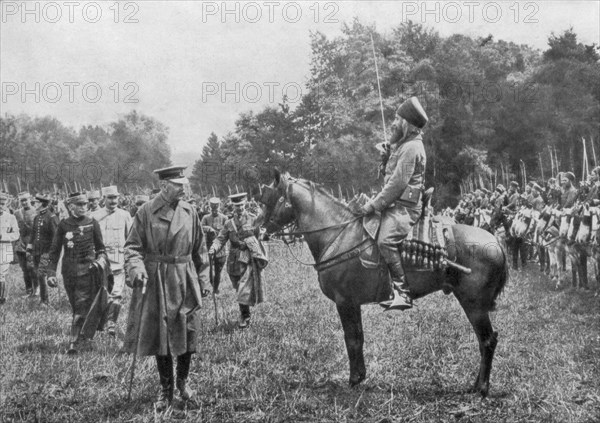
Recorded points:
(168, 244)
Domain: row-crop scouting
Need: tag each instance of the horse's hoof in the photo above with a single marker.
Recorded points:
(356, 381)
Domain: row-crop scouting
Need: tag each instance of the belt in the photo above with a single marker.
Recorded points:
(168, 259)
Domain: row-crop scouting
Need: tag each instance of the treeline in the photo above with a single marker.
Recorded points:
(494, 106)
(42, 154)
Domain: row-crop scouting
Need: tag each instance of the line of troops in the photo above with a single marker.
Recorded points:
(161, 246)
(560, 196)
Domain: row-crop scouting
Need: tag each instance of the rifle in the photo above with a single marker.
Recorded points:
(137, 338)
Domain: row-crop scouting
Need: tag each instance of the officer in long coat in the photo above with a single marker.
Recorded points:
(166, 249)
(400, 200)
(80, 238)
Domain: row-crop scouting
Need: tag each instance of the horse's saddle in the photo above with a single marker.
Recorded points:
(425, 247)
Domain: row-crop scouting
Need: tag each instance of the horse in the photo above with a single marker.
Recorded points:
(332, 231)
(511, 226)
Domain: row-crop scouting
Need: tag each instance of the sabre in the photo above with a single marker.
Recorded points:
(137, 338)
(594, 152)
(211, 276)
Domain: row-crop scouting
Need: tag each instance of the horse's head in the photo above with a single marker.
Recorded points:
(278, 211)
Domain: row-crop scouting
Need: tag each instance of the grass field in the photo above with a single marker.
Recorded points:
(290, 365)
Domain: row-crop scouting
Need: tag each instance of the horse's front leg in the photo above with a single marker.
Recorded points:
(351, 318)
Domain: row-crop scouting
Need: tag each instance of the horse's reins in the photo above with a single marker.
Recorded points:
(331, 261)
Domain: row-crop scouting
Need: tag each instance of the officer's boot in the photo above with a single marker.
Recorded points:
(43, 290)
(164, 363)
(2, 292)
(113, 314)
(183, 370)
(401, 300)
(35, 289)
(244, 316)
(76, 327)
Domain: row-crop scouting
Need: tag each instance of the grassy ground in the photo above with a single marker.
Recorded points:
(291, 365)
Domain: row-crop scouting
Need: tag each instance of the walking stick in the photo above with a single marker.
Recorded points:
(137, 338)
(211, 276)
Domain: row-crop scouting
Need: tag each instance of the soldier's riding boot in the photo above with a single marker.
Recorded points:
(164, 363)
(75, 332)
(35, 289)
(113, 314)
(183, 370)
(43, 290)
(244, 316)
(401, 300)
(2, 292)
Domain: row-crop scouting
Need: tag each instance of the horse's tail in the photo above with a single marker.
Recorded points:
(499, 279)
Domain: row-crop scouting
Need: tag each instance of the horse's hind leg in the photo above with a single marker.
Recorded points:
(351, 318)
(480, 320)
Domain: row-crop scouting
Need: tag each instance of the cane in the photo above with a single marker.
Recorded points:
(137, 338)
(211, 277)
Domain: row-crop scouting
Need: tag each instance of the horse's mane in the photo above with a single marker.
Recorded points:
(321, 190)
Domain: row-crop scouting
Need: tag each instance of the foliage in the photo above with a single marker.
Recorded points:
(507, 100)
(45, 155)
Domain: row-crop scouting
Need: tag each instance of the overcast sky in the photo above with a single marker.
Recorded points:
(175, 59)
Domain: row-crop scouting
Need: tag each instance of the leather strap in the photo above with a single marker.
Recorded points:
(168, 259)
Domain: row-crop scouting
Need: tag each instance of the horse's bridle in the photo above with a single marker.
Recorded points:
(285, 202)
(321, 264)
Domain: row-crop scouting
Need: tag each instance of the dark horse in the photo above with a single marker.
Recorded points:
(330, 229)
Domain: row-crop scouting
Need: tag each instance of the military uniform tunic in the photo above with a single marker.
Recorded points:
(81, 241)
(400, 199)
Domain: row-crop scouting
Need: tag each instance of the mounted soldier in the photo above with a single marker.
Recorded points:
(400, 199)
(569, 193)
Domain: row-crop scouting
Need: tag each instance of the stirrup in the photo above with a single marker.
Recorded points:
(401, 301)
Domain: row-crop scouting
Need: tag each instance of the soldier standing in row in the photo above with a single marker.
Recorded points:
(212, 224)
(44, 229)
(80, 238)
(94, 201)
(115, 224)
(140, 200)
(165, 251)
(25, 216)
(242, 225)
(9, 232)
